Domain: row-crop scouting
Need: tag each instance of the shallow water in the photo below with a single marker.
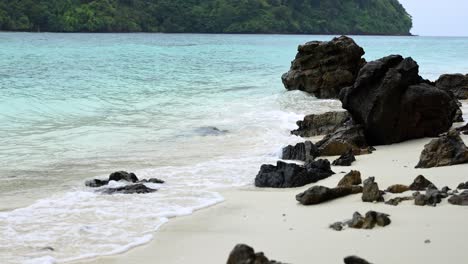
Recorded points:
(78, 106)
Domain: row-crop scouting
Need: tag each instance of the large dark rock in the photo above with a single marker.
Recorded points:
(306, 151)
(446, 150)
(349, 137)
(393, 103)
(287, 175)
(355, 260)
(243, 254)
(371, 192)
(346, 159)
(321, 124)
(323, 68)
(123, 176)
(420, 183)
(319, 194)
(455, 83)
(461, 199)
(129, 189)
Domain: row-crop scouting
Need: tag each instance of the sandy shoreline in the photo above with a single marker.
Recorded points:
(273, 222)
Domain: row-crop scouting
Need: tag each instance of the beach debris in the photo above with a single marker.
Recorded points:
(420, 183)
(345, 160)
(321, 124)
(319, 194)
(287, 175)
(355, 260)
(397, 188)
(323, 68)
(397, 200)
(345, 138)
(455, 83)
(305, 151)
(371, 192)
(244, 254)
(352, 178)
(138, 188)
(446, 150)
(460, 199)
(419, 109)
(369, 221)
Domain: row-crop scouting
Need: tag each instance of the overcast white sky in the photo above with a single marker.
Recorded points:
(438, 17)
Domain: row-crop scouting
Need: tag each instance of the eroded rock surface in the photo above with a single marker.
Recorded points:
(446, 150)
(320, 124)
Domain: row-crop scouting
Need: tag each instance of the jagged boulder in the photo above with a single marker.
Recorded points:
(323, 68)
(319, 194)
(420, 183)
(350, 179)
(321, 124)
(455, 83)
(446, 150)
(346, 138)
(305, 151)
(346, 159)
(123, 176)
(393, 103)
(243, 254)
(371, 192)
(288, 175)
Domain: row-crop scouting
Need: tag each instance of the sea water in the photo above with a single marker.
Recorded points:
(78, 106)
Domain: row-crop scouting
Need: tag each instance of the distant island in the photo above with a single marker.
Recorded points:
(361, 17)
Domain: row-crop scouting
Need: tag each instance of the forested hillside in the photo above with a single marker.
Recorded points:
(207, 16)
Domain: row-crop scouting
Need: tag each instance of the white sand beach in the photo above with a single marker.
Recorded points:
(270, 220)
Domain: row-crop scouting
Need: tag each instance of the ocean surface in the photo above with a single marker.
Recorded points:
(78, 106)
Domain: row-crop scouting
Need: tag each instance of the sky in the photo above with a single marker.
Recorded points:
(438, 17)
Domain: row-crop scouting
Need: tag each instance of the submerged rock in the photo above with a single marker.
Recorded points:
(138, 188)
(210, 131)
(393, 103)
(243, 254)
(460, 199)
(323, 68)
(420, 183)
(346, 159)
(123, 176)
(319, 194)
(95, 183)
(455, 83)
(346, 138)
(371, 192)
(320, 124)
(306, 151)
(355, 260)
(287, 175)
(444, 151)
(350, 179)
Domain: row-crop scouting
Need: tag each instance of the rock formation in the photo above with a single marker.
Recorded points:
(444, 151)
(455, 83)
(320, 124)
(306, 151)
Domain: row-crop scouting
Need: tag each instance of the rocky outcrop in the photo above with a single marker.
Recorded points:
(324, 68)
(123, 176)
(393, 103)
(287, 175)
(463, 186)
(346, 159)
(446, 150)
(349, 137)
(320, 124)
(138, 188)
(355, 260)
(243, 254)
(319, 194)
(371, 192)
(461, 199)
(306, 151)
(350, 179)
(397, 188)
(370, 220)
(420, 183)
(455, 83)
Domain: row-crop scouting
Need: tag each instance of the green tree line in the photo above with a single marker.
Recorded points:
(207, 16)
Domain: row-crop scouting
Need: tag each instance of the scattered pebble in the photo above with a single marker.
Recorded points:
(427, 241)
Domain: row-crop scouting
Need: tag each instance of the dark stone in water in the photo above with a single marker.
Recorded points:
(129, 189)
(95, 183)
(123, 176)
(210, 131)
(120, 176)
(152, 180)
(287, 175)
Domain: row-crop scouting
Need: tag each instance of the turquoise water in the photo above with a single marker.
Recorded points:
(78, 106)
